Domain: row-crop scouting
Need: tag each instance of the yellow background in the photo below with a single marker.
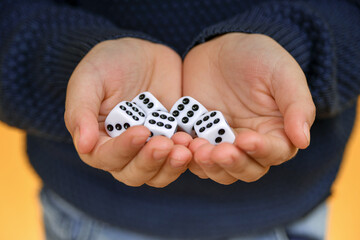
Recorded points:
(20, 212)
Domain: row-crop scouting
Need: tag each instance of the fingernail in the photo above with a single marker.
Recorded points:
(176, 163)
(307, 132)
(160, 154)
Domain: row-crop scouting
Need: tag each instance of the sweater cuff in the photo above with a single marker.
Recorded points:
(302, 32)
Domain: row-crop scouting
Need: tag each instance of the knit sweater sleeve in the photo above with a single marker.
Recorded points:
(323, 36)
(41, 43)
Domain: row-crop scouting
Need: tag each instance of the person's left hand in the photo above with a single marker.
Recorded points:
(262, 92)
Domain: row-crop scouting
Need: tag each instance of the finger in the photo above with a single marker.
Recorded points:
(269, 149)
(174, 166)
(203, 157)
(197, 143)
(182, 138)
(147, 163)
(197, 170)
(293, 97)
(193, 166)
(83, 98)
(112, 154)
(236, 163)
(297, 124)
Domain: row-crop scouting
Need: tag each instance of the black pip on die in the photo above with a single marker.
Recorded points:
(148, 103)
(213, 127)
(123, 116)
(161, 123)
(187, 110)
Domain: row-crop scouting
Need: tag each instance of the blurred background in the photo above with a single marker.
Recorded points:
(20, 212)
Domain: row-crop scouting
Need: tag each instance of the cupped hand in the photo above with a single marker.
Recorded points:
(114, 71)
(262, 92)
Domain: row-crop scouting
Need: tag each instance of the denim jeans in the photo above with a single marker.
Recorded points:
(65, 222)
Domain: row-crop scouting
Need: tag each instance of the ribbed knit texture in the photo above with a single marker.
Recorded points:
(307, 30)
(42, 41)
(40, 46)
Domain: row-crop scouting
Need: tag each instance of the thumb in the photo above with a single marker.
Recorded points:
(294, 100)
(83, 100)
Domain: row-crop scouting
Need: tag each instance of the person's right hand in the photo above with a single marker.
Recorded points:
(114, 71)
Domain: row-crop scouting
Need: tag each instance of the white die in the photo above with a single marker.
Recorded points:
(161, 123)
(213, 127)
(148, 103)
(187, 110)
(122, 116)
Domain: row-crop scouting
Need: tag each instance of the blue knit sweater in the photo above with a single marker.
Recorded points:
(41, 42)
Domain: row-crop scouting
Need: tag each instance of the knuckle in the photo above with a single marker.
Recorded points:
(255, 177)
(127, 181)
(197, 161)
(108, 168)
(199, 173)
(293, 153)
(202, 175)
(282, 157)
(224, 178)
(146, 168)
(241, 166)
(96, 164)
(157, 184)
(133, 183)
(227, 181)
(196, 170)
(267, 163)
(92, 162)
(252, 178)
(275, 162)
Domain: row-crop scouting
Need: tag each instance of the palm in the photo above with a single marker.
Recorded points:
(238, 82)
(263, 94)
(115, 71)
(125, 71)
